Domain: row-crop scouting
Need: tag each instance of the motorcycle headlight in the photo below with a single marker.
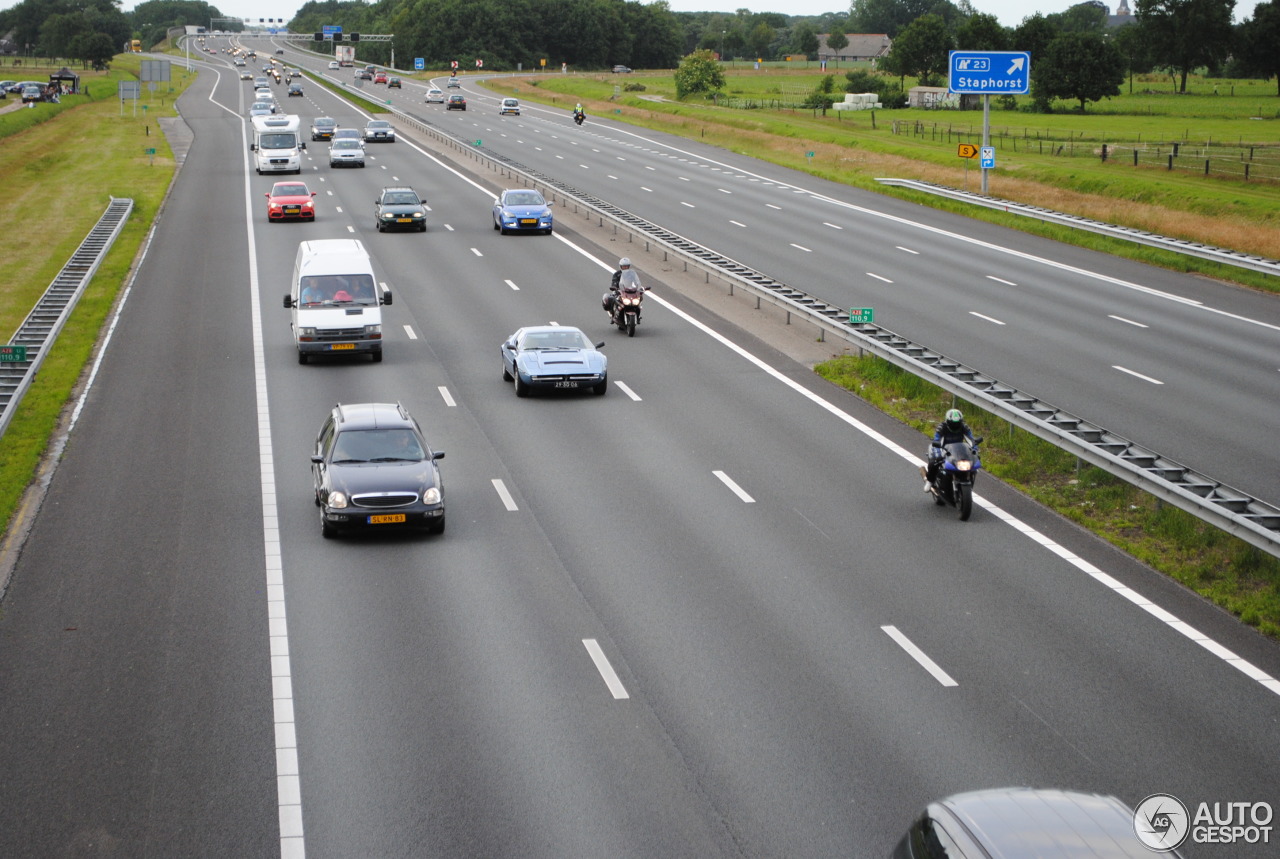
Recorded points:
(431, 496)
(337, 500)
(963, 465)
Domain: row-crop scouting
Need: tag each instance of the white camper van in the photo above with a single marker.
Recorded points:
(277, 144)
(335, 300)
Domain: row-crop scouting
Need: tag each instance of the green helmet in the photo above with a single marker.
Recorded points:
(954, 416)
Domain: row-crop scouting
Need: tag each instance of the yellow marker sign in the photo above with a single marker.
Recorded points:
(967, 150)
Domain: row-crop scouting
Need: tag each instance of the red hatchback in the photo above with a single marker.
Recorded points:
(380, 78)
(290, 201)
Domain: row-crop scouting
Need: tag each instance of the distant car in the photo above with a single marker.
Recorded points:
(435, 95)
(333, 64)
(521, 210)
(393, 83)
(457, 101)
(347, 134)
(238, 62)
(261, 81)
(372, 469)
(621, 70)
(279, 50)
(263, 94)
(1022, 821)
(380, 78)
(554, 357)
(290, 201)
(509, 106)
(399, 208)
(295, 89)
(362, 75)
(262, 108)
(32, 94)
(379, 131)
(323, 127)
(246, 75)
(454, 83)
(7, 86)
(346, 153)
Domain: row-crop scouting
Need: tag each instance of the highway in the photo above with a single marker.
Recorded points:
(710, 613)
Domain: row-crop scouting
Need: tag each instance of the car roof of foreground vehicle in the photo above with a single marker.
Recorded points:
(1019, 821)
(361, 416)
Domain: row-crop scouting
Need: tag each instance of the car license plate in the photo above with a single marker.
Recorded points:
(343, 346)
(387, 519)
(566, 384)
(528, 220)
(404, 220)
(291, 210)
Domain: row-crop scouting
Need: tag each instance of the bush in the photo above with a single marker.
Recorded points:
(633, 88)
(1007, 102)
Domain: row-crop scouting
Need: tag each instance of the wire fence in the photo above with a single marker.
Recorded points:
(1242, 161)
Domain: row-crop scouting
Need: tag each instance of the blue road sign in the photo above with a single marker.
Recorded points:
(419, 64)
(988, 158)
(330, 30)
(990, 72)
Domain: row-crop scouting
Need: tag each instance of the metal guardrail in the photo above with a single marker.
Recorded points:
(45, 321)
(1233, 510)
(1225, 256)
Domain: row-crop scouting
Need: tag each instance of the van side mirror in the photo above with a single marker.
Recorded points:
(288, 301)
(385, 297)
(253, 147)
(302, 146)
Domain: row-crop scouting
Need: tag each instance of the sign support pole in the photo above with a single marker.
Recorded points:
(986, 135)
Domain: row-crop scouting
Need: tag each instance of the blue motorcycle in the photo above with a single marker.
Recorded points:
(953, 481)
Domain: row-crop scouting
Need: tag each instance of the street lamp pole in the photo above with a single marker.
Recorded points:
(722, 46)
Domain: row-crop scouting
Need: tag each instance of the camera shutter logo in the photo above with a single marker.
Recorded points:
(1161, 822)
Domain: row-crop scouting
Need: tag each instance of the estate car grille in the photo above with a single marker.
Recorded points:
(384, 499)
(340, 334)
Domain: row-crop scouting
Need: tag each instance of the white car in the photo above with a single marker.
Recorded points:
(435, 96)
(509, 105)
(346, 153)
(262, 108)
(333, 64)
(379, 131)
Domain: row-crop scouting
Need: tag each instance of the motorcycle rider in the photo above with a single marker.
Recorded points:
(578, 114)
(615, 285)
(951, 430)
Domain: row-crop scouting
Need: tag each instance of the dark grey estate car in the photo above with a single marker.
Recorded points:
(373, 470)
(399, 208)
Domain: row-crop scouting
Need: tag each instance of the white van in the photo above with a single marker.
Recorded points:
(335, 300)
(277, 144)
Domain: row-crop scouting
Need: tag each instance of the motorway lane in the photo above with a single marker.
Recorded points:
(135, 693)
(445, 703)
(751, 214)
(696, 645)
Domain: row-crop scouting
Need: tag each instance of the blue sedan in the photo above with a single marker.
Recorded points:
(557, 357)
(521, 209)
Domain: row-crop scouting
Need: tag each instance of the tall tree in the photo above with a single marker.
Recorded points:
(837, 42)
(759, 39)
(923, 49)
(893, 16)
(1034, 35)
(981, 32)
(1133, 48)
(698, 73)
(804, 40)
(1087, 17)
(1081, 66)
(1187, 34)
(1259, 37)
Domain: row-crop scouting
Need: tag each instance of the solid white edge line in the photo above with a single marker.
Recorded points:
(606, 670)
(733, 487)
(626, 390)
(505, 495)
(919, 656)
(288, 778)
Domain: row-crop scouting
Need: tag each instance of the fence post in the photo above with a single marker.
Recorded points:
(1206, 166)
(1175, 149)
(1246, 171)
(1104, 153)
(1135, 156)
(1170, 162)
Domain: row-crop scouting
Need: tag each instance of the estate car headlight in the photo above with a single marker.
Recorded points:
(306, 332)
(373, 329)
(388, 215)
(431, 496)
(337, 500)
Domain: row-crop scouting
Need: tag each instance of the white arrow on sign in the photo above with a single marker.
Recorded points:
(1016, 66)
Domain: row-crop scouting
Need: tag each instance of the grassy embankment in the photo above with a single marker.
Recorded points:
(854, 148)
(99, 154)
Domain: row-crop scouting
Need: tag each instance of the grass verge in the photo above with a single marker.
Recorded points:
(100, 154)
(1235, 575)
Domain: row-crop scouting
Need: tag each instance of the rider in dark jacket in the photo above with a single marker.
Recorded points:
(951, 430)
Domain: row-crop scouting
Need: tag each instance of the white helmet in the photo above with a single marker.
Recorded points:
(625, 262)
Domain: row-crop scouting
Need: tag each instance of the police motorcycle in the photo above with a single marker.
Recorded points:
(623, 304)
(953, 480)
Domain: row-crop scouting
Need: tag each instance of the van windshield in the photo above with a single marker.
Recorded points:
(278, 140)
(338, 289)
